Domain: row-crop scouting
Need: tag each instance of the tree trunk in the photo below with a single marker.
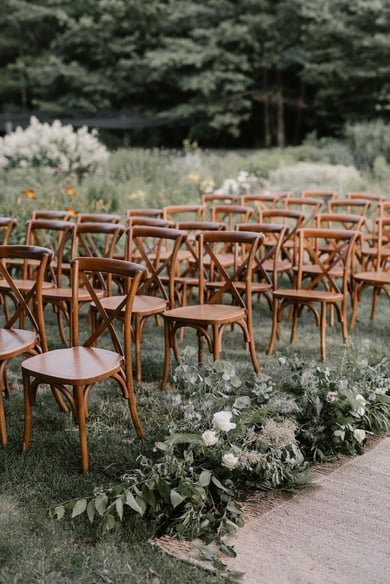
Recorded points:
(281, 138)
(267, 125)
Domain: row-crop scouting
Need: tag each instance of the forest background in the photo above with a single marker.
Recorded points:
(224, 73)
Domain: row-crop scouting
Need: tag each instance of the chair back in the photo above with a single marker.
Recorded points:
(97, 218)
(309, 207)
(7, 225)
(84, 272)
(157, 249)
(321, 266)
(64, 215)
(231, 214)
(96, 239)
(270, 250)
(177, 213)
(55, 235)
(25, 308)
(148, 212)
(263, 200)
(216, 280)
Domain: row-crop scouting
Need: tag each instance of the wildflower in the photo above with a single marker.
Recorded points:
(209, 437)
(73, 212)
(230, 461)
(360, 410)
(221, 421)
(29, 193)
(332, 396)
(359, 435)
(70, 190)
(193, 177)
(282, 360)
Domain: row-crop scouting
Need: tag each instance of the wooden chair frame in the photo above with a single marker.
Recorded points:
(81, 366)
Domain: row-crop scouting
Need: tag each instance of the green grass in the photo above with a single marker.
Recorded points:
(35, 547)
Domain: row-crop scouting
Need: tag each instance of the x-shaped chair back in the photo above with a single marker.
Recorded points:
(157, 249)
(178, 213)
(340, 249)
(216, 280)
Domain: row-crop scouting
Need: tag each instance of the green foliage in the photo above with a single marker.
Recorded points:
(229, 434)
(368, 141)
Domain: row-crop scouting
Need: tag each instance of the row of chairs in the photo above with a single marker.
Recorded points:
(227, 262)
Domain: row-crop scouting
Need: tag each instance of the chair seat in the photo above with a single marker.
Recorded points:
(373, 277)
(305, 295)
(142, 305)
(283, 265)
(55, 294)
(15, 342)
(24, 285)
(206, 313)
(74, 365)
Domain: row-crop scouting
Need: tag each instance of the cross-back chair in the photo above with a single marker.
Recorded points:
(178, 213)
(148, 212)
(231, 215)
(98, 218)
(7, 225)
(376, 271)
(322, 195)
(157, 249)
(217, 287)
(262, 201)
(57, 215)
(309, 207)
(25, 308)
(266, 270)
(318, 282)
(88, 240)
(75, 370)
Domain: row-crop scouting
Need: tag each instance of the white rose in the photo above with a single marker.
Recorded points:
(332, 396)
(359, 435)
(221, 421)
(209, 437)
(229, 460)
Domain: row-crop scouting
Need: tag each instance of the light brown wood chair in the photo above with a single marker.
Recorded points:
(318, 282)
(157, 249)
(217, 287)
(309, 207)
(322, 195)
(147, 212)
(98, 218)
(178, 213)
(75, 370)
(57, 215)
(376, 274)
(89, 240)
(7, 225)
(261, 201)
(22, 307)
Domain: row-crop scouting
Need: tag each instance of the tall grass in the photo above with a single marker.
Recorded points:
(35, 547)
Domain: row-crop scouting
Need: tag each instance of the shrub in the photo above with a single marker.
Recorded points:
(367, 141)
(54, 146)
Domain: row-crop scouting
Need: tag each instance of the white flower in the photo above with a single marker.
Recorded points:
(360, 411)
(209, 437)
(359, 435)
(229, 460)
(221, 421)
(332, 396)
(282, 360)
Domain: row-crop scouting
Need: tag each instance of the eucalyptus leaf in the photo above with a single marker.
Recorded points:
(79, 507)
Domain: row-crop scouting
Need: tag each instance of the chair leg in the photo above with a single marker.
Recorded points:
(79, 400)
(3, 427)
(323, 331)
(167, 354)
(137, 343)
(27, 413)
(296, 311)
(375, 294)
(275, 326)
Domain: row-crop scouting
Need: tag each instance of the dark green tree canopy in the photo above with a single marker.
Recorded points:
(252, 72)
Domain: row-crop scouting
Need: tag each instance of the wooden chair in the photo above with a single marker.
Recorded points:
(321, 195)
(266, 269)
(148, 212)
(209, 200)
(212, 313)
(85, 363)
(319, 286)
(89, 240)
(22, 308)
(231, 215)
(7, 225)
(157, 249)
(151, 221)
(177, 213)
(349, 206)
(263, 201)
(309, 207)
(98, 218)
(376, 274)
(52, 214)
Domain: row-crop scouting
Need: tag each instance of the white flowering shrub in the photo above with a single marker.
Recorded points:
(55, 146)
